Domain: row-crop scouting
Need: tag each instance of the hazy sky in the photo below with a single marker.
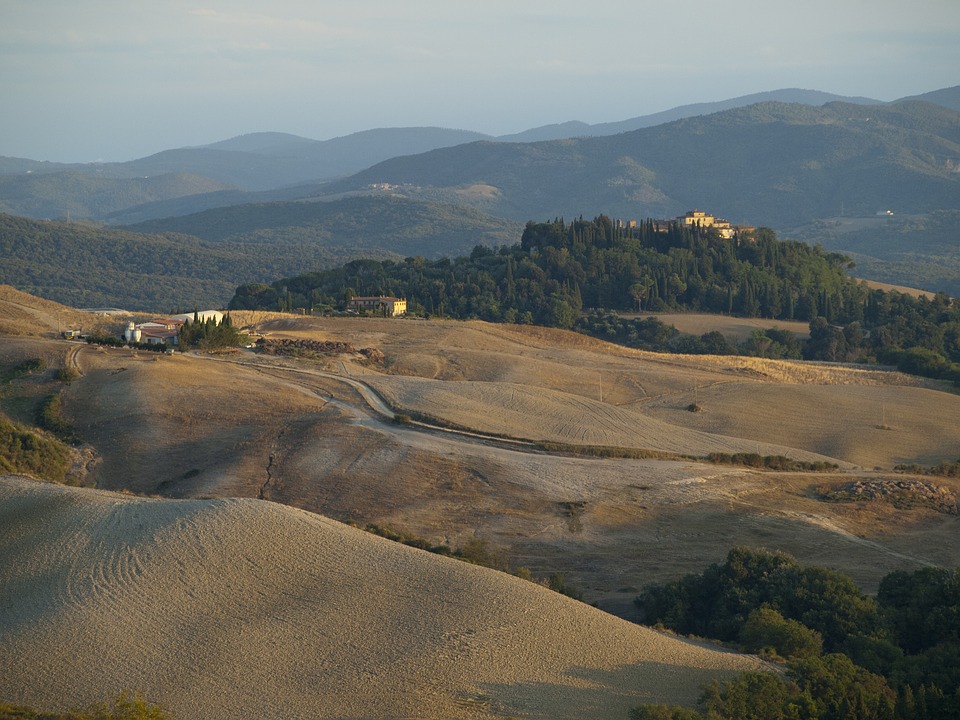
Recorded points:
(84, 80)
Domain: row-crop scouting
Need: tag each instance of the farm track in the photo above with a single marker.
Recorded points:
(380, 408)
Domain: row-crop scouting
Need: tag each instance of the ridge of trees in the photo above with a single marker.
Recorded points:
(558, 269)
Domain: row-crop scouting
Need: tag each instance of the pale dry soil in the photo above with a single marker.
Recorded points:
(315, 435)
(734, 328)
(299, 432)
(241, 608)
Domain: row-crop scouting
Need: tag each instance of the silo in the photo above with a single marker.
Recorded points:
(132, 333)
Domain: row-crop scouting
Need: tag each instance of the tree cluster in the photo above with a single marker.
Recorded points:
(896, 656)
(209, 334)
(25, 451)
(650, 333)
(558, 269)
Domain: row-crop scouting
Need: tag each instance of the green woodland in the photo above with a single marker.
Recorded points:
(585, 274)
(848, 656)
(86, 265)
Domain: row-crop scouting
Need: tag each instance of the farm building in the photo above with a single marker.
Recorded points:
(380, 305)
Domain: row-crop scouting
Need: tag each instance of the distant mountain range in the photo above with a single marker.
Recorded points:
(784, 159)
(772, 164)
(577, 129)
(279, 162)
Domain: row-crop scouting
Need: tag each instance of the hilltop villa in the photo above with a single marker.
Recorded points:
(698, 218)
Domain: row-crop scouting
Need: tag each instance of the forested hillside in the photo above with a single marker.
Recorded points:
(558, 269)
(198, 261)
(362, 224)
(773, 164)
(78, 195)
(920, 251)
(89, 266)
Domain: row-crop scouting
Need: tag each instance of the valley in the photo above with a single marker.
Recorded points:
(191, 441)
(213, 528)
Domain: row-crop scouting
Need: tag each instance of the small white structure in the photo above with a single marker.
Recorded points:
(132, 333)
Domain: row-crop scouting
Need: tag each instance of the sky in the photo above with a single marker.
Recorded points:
(113, 80)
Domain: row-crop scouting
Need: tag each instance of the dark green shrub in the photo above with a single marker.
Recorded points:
(51, 416)
(664, 712)
(766, 629)
(718, 602)
(67, 374)
(26, 367)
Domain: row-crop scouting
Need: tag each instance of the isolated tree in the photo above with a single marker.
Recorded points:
(640, 289)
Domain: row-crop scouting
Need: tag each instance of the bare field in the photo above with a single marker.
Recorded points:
(732, 327)
(296, 432)
(866, 425)
(23, 314)
(233, 608)
(310, 434)
(180, 426)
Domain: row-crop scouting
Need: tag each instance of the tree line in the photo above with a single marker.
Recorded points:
(559, 269)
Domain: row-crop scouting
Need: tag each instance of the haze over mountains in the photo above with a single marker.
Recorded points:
(782, 159)
(268, 160)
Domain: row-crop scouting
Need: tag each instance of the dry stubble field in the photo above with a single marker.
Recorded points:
(299, 432)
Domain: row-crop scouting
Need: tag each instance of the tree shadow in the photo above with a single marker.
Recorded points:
(599, 693)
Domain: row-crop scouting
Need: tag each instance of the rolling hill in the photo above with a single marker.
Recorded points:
(920, 251)
(239, 608)
(304, 432)
(79, 195)
(792, 95)
(395, 224)
(218, 604)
